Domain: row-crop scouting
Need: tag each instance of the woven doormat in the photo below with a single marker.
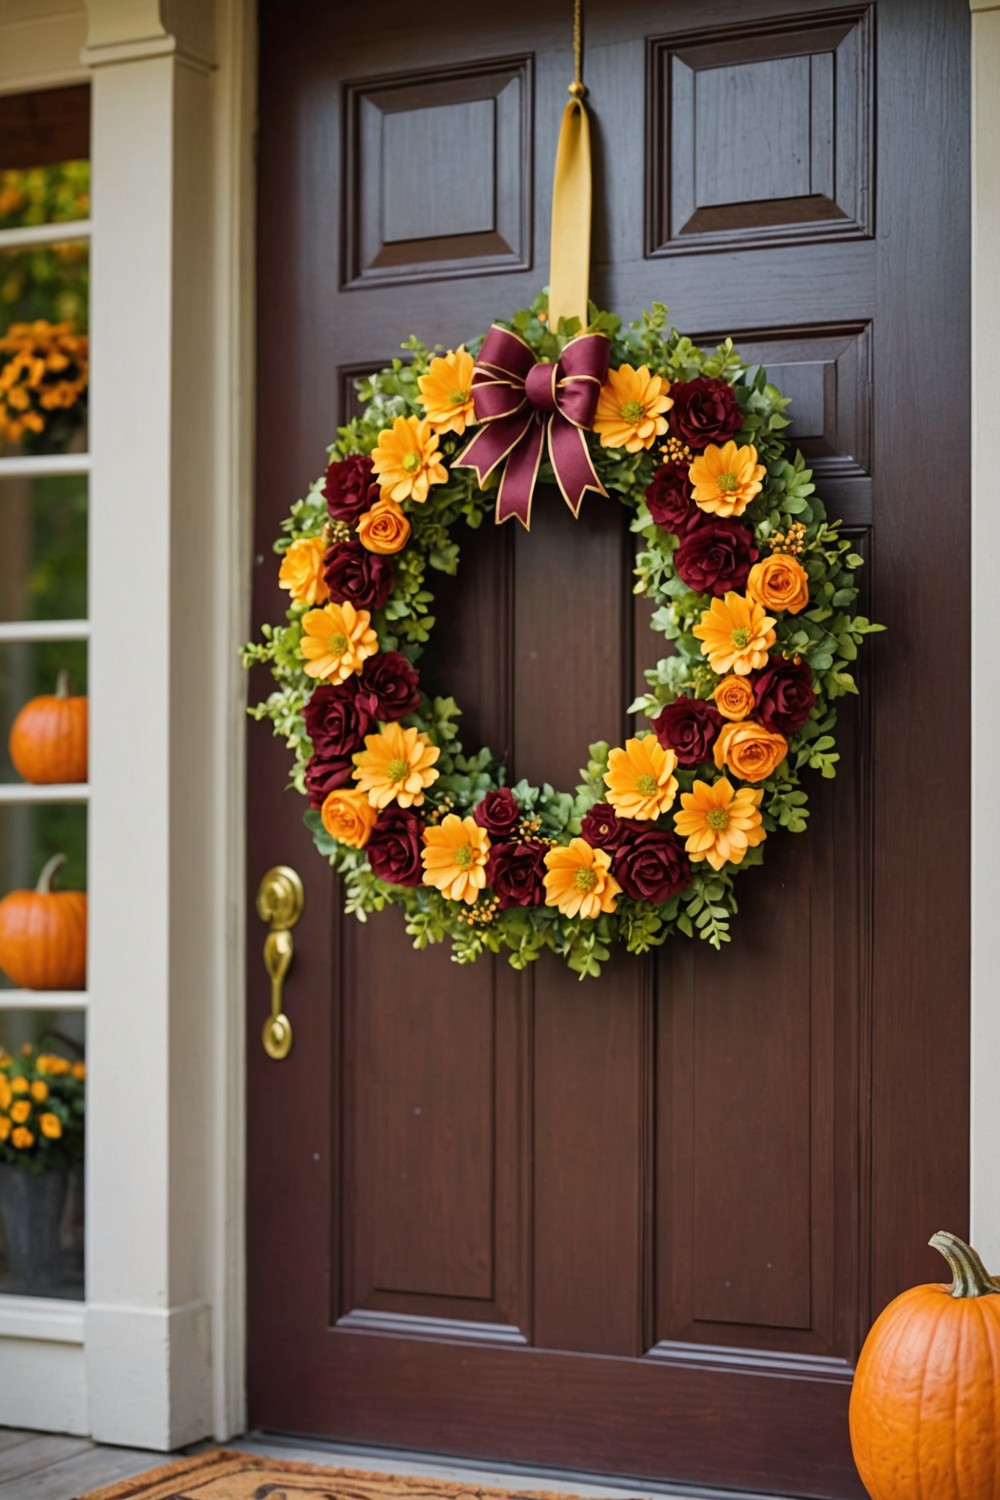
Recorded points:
(223, 1475)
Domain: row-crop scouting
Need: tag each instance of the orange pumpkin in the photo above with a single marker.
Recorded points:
(48, 739)
(925, 1408)
(43, 935)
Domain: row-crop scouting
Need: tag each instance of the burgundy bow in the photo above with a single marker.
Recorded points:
(520, 403)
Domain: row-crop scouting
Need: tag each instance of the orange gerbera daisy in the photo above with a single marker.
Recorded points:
(395, 766)
(726, 479)
(640, 779)
(454, 854)
(337, 641)
(579, 880)
(630, 408)
(446, 391)
(301, 571)
(407, 460)
(718, 823)
(735, 635)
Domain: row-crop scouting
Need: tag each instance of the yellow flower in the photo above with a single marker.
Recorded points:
(19, 1111)
(79, 1071)
(734, 698)
(630, 407)
(5, 1093)
(337, 641)
(384, 528)
(735, 635)
(5, 1127)
(446, 391)
(301, 571)
(395, 766)
(726, 479)
(718, 823)
(454, 854)
(39, 1091)
(779, 582)
(750, 751)
(640, 779)
(20, 1085)
(348, 817)
(579, 880)
(51, 1126)
(22, 1139)
(407, 460)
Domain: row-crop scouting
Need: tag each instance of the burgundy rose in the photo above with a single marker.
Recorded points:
(704, 411)
(336, 722)
(389, 686)
(349, 488)
(652, 866)
(785, 696)
(324, 774)
(668, 496)
(394, 846)
(715, 558)
(498, 812)
(356, 575)
(689, 727)
(516, 872)
(603, 828)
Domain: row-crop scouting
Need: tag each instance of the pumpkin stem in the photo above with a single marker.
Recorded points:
(47, 876)
(971, 1278)
(64, 683)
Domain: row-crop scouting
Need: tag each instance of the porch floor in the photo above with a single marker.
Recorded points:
(44, 1466)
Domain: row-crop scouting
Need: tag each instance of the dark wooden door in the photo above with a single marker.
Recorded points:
(639, 1225)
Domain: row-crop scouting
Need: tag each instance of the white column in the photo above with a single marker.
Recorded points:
(985, 660)
(168, 496)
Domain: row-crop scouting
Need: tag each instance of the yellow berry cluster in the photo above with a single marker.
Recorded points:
(338, 531)
(480, 915)
(43, 369)
(676, 452)
(444, 807)
(792, 541)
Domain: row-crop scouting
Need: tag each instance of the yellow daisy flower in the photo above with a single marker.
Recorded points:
(20, 1085)
(39, 1091)
(718, 823)
(395, 766)
(19, 1111)
(454, 854)
(337, 641)
(22, 1139)
(446, 391)
(726, 479)
(51, 1126)
(301, 571)
(579, 880)
(640, 778)
(735, 635)
(630, 408)
(5, 1127)
(407, 460)
(5, 1093)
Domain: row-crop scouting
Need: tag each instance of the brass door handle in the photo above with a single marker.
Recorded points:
(280, 900)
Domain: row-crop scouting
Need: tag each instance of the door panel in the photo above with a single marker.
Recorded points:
(638, 1225)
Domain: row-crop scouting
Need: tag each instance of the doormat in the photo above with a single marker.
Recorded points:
(224, 1475)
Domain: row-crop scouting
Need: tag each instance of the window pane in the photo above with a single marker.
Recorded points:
(30, 834)
(41, 1222)
(43, 559)
(56, 194)
(43, 348)
(31, 671)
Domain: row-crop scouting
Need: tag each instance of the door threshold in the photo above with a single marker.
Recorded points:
(495, 1474)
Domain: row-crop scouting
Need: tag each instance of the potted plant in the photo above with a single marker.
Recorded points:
(41, 1140)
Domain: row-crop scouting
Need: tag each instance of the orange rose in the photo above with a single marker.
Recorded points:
(748, 750)
(349, 817)
(734, 698)
(384, 528)
(779, 582)
(301, 571)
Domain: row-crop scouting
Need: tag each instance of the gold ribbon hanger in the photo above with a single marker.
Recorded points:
(569, 271)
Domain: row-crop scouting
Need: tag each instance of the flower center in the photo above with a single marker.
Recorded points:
(584, 880)
(338, 644)
(717, 818)
(458, 398)
(633, 411)
(411, 462)
(741, 637)
(398, 769)
(728, 482)
(648, 785)
(463, 856)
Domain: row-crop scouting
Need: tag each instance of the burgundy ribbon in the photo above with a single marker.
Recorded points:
(521, 403)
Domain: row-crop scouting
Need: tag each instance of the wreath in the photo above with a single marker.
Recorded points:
(753, 588)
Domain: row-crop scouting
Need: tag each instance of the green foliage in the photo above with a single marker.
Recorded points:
(827, 635)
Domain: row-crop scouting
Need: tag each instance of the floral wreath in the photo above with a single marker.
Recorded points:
(752, 586)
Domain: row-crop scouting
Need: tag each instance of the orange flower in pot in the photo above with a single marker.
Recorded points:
(48, 739)
(43, 935)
